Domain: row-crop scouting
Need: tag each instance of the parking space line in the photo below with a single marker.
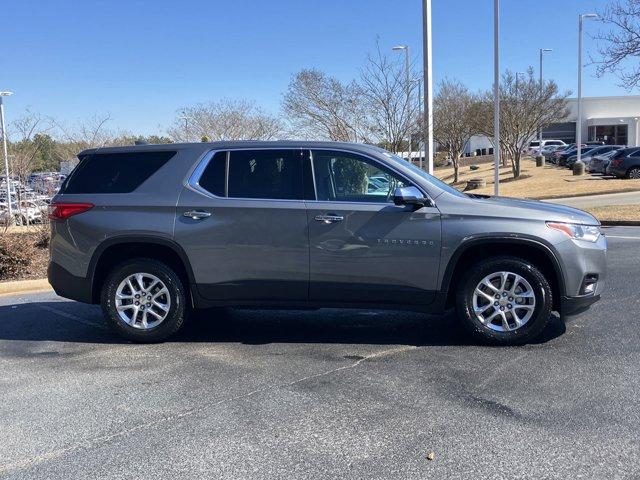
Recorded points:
(623, 237)
(71, 316)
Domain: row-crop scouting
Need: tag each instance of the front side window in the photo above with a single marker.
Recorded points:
(348, 177)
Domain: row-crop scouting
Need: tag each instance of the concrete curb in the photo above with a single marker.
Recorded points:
(620, 223)
(22, 286)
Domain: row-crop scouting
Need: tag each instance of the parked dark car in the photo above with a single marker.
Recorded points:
(626, 164)
(586, 157)
(564, 156)
(599, 163)
(152, 232)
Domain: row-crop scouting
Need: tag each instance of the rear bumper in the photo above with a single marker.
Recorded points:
(69, 286)
(576, 305)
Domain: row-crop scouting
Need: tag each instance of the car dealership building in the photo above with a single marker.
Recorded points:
(613, 120)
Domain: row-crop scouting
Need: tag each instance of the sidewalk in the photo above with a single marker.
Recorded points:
(628, 198)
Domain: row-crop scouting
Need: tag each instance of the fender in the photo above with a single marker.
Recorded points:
(514, 239)
(138, 238)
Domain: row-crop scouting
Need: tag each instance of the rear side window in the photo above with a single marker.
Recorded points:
(213, 178)
(268, 174)
(114, 172)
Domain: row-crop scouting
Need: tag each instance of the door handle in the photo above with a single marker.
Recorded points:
(196, 214)
(328, 218)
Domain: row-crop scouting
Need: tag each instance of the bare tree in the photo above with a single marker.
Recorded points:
(86, 133)
(453, 121)
(619, 46)
(225, 120)
(28, 142)
(391, 114)
(321, 107)
(525, 108)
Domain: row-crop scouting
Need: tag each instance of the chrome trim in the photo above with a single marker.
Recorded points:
(313, 175)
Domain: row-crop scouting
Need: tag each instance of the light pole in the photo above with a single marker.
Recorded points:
(581, 18)
(542, 52)
(496, 97)
(6, 156)
(428, 84)
(407, 72)
(186, 125)
(420, 157)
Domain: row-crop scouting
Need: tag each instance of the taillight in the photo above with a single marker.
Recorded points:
(62, 211)
(616, 163)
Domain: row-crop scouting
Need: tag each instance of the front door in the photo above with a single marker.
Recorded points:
(243, 225)
(363, 248)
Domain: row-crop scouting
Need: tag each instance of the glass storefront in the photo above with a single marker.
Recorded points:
(609, 134)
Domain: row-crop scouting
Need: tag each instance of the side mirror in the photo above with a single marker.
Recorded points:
(410, 196)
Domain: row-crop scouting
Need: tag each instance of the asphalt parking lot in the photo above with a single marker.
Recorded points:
(322, 394)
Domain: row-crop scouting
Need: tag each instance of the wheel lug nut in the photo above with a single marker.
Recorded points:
(509, 306)
(148, 304)
(511, 299)
(502, 309)
(504, 294)
(137, 303)
(497, 296)
(137, 296)
(495, 304)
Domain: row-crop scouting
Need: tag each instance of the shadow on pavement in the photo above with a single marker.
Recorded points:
(75, 322)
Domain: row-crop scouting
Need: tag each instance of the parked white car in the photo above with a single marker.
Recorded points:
(534, 145)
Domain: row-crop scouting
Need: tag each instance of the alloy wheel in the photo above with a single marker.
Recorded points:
(504, 301)
(142, 301)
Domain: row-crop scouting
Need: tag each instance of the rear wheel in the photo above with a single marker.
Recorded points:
(504, 301)
(144, 300)
(634, 173)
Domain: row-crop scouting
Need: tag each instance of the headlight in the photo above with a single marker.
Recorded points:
(588, 233)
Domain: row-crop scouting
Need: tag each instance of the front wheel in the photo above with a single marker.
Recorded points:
(504, 301)
(144, 300)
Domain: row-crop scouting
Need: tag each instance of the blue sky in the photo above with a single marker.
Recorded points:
(142, 60)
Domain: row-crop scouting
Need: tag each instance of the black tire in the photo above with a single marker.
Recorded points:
(527, 332)
(176, 315)
(633, 173)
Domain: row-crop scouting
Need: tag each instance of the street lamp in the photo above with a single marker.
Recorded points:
(496, 97)
(407, 72)
(6, 156)
(542, 52)
(186, 125)
(581, 18)
(427, 119)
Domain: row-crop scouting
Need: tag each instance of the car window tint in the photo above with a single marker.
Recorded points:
(273, 174)
(114, 172)
(347, 177)
(213, 177)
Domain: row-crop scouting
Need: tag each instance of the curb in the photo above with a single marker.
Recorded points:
(23, 286)
(620, 223)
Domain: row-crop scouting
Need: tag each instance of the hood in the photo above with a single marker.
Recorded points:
(534, 209)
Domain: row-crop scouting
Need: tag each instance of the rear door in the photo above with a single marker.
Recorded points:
(363, 248)
(243, 225)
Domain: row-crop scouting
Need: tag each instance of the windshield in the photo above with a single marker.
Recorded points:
(418, 171)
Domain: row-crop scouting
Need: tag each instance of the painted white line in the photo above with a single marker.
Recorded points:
(620, 236)
(71, 316)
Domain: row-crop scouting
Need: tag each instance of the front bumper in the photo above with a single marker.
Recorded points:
(576, 305)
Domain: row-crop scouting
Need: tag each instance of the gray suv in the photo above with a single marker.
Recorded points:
(151, 232)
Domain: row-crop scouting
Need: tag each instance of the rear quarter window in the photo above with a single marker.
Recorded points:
(114, 172)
